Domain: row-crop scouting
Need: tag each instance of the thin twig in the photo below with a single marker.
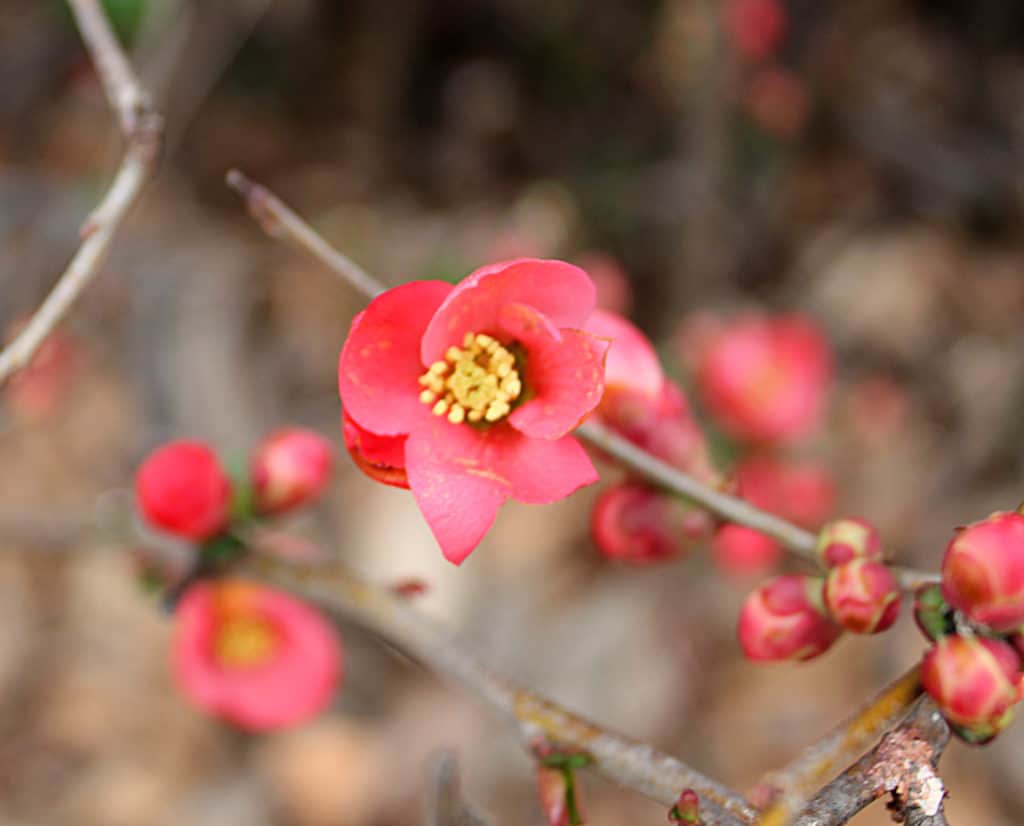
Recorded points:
(635, 765)
(794, 784)
(141, 128)
(446, 806)
(903, 764)
(281, 222)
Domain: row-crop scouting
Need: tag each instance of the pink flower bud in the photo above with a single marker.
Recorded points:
(862, 596)
(755, 27)
(973, 680)
(781, 620)
(290, 468)
(182, 489)
(764, 379)
(983, 571)
(687, 809)
(253, 656)
(556, 796)
(843, 540)
(743, 552)
(632, 522)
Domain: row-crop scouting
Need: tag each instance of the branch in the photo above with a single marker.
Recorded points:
(141, 129)
(794, 784)
(904, 764)
(281, 222)
(627, 762)
(447, 806)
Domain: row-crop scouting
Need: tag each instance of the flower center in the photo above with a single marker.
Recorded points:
(477, 382)
(244, 642)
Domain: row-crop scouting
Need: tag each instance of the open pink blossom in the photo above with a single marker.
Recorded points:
(480, 384)
(254, 656)
(764, 378)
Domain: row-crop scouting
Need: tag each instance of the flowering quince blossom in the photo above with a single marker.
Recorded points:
(253, 656)
(764, 378)
(472, 391)
(290, 468)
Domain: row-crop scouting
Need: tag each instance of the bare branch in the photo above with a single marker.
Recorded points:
(629, 763)
(794, 784)
(903, 764)
(141, 129)
(280, 221)
(447, 806)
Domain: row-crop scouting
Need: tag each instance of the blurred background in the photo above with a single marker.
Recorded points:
(858, 161)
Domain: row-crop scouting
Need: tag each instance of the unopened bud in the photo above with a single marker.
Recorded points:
(846, 539)
(983, 571)
(687, 809)
(742, 551)
(182, 489)
(862, 596)
(290, 468)
(783, 620)
(973, 680)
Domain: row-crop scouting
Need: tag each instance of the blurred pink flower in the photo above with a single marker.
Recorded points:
(290, 468)
(254, 656)
(755, 27)
(483, 381)
(37, 390)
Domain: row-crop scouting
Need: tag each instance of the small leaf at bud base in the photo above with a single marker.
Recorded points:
(981, 733)
(845, 539)
(862, 596)
(932, 613)
(687, 809)
(290, 468)
(783, 620)
(632, 522)
(973, 680)
(983, 571)
(182, 489)
(557, 792)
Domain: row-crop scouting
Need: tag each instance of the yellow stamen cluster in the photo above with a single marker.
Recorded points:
(476, 382)
(244, 642)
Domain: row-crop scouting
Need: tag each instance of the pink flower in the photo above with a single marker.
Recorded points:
(254, 656)
(862, 596)
(382, 458)
(614, 292)
(973, 680)
(843, 540)
(291, 467)
(783, 620)
(632, 522)
(764, 379)
(744, 552)
(983, 571)
(182, 489)
(481, 384)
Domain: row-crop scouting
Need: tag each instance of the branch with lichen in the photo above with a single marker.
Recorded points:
(790, 787)
(141, 128)
(632, 764)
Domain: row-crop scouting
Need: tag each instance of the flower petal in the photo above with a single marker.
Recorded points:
(380, 362)
(562, 292)
(541, 471)
(382, 458)
(632, 363)
(451, 474)
(564, 373)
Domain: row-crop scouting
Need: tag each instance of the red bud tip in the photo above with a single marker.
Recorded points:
(779, 621)
(846, 539)
(182, 489)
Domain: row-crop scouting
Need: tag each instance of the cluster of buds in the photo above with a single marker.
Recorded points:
(800, 617)
(632, 521)
(975, 619)
(247, 654)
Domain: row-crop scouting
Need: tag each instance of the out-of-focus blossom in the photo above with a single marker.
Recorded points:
(783, 620)
(843, 540)
(614, 292)
(776, 99)
(483, 381)
(290, 468)
(37, 390)
(632, 522)
(764, 379)
(975, 681)
(182, 489)
(802, 492)
(983, 571)
(254, 656)
(755, 27)
(862, 596)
